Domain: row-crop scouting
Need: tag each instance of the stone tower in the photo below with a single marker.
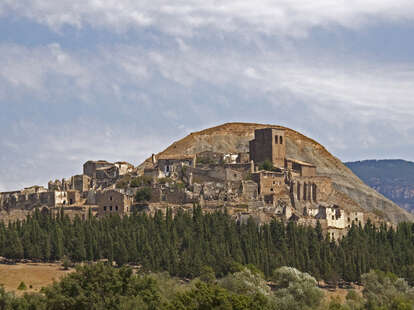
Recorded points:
(268, 144)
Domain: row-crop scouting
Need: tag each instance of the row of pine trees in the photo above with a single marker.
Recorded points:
(187, 242)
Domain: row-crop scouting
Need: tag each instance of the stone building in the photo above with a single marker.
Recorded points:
(74, 197)
(301, 168)
(91, 166)
(124, 167)
(269, 182)
(170, 165)
(112, 201)
(338, 218)
(268, 144)
(81, 183)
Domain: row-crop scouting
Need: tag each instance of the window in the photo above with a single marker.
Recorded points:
(110, 208)
(271, 189)
(235, 175)
(281, 140)
(105, 208)
(333, 217)
(110, 198)
(116, 208)
(276, 139)
(349, 219)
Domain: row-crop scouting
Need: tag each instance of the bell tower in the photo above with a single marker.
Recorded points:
(268, 144)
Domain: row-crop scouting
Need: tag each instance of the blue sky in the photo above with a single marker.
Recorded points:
(119, 80)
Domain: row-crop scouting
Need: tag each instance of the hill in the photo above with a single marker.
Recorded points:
(392, 178)
(235, 137)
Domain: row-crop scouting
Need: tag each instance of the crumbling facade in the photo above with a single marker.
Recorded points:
(112, 201)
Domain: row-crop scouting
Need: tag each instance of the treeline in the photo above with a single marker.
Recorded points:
(184, 244)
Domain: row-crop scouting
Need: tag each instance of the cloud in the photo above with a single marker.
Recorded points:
(63, 104)
(187, 17)
(34, 154)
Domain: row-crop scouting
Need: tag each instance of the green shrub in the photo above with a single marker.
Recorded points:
(143, 194)
(266, 165)
(144, 180)
(123, 182)
(164, 180)
(22, 286)
(297, 290)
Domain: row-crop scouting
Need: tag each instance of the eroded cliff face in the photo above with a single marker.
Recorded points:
(235, 137)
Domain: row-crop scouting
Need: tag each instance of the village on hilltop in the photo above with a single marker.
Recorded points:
(262, 184)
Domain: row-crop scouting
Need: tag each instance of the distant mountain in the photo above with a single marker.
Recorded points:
(392, 178)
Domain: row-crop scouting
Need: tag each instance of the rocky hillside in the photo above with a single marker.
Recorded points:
(235, 137)
(392, 178)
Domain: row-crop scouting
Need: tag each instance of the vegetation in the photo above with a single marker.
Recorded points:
(266, 165)
(143, 194)
(139, 181)
(101, 286)
(123, 182)
(22, 286)
(165, 180)
(184, 244)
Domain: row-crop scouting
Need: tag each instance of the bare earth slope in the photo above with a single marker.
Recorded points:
(235, 137)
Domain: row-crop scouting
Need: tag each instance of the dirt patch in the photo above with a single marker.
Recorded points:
(35, 274)
(340, 294)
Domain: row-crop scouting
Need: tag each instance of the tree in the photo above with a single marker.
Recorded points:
(297, 290)
(22, 286)
(266, 165)
(143, 194)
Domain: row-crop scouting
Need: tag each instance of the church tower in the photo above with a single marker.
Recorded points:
(268, 144)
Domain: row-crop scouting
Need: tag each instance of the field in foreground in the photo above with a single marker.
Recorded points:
(35, 274)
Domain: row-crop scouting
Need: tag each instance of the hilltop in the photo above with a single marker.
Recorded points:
(257, 171)
(235, 137)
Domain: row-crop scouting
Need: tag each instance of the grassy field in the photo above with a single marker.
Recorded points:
(36, 275)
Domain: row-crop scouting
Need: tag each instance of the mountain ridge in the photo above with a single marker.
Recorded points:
(394, 178)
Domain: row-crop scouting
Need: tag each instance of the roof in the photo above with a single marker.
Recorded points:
(177, 156)
(302, 163)
(269, 172)
(123, 163)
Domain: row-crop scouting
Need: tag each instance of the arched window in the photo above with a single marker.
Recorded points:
(276, 139)
(281, 140)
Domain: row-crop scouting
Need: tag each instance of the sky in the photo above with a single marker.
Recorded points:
(121, 79)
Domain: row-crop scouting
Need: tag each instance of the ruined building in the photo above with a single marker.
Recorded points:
(259, 181)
